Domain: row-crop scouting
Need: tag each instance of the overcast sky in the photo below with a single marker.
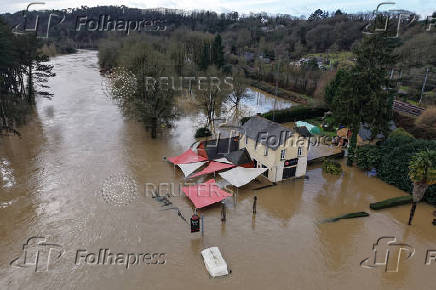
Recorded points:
(292, 7)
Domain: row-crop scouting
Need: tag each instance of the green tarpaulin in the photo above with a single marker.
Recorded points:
(312, 129)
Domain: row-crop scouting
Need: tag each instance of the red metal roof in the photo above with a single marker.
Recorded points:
(213, 167)
(188, 156)
(205, 194)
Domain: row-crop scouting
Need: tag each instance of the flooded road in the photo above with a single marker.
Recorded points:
(51, 187)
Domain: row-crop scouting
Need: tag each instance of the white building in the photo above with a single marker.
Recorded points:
(282, 150)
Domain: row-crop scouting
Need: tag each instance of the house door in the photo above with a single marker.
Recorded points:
(289, 172)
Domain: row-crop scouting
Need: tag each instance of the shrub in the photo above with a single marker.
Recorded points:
(202, 132)
(331, 167)
(427, 120)
(368, 157)
(396, 154)
(401, 132)
(295, 113)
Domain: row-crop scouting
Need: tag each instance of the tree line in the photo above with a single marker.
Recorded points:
(261, 44)
(23, 75)
(142, 71)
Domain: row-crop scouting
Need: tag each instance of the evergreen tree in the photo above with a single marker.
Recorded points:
(362, 94)
(204, 57)
(218, 52)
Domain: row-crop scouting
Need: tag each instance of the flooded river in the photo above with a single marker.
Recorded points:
(51, 187)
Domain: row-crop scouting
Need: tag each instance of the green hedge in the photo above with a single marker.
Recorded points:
(391, 202)
(295, 113)
(368, 157)
(202, 132)
(392, 159)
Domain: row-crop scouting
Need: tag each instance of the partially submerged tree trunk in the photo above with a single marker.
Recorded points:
(352, 146)
(154, 127)
(419, 189)
(30, 93)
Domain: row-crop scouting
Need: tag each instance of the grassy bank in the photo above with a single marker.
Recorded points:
(281, 93)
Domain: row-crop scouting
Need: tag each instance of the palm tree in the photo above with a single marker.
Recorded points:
(423, 174)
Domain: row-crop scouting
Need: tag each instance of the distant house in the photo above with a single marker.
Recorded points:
(249, 56)
(365, 134)
(281, 150)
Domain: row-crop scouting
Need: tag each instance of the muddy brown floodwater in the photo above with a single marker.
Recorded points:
(51, 187)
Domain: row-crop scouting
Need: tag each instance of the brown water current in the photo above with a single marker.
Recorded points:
(54, 184)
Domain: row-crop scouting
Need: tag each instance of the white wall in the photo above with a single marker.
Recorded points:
(272, 160)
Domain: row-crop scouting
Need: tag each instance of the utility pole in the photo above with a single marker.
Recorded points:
(275, 100)
(275, 97)
(423, 85)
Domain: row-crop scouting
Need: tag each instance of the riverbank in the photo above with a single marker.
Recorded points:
(279, 92)
(79, 139)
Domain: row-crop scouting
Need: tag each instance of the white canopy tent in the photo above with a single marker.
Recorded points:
(189, 168)
(223, 160)
(240, 176)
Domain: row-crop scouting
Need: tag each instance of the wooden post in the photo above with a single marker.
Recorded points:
(235, 197)
(202, 225)
(223, 212)
(254, 205)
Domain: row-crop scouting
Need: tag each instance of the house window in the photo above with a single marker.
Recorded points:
(300, 151)
(266, 151)
(282, 154)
